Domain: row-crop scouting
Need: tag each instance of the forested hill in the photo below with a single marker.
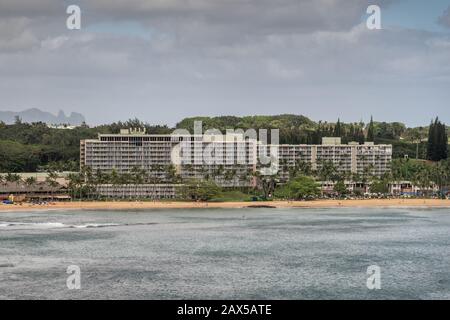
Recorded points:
(31, 147)
(294, 129)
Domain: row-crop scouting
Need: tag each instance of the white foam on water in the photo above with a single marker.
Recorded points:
(53, 225)
(95, 225)
(37, 225)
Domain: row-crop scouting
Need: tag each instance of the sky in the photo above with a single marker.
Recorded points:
(163, 60)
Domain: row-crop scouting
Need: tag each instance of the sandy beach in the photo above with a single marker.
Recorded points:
(129, 205)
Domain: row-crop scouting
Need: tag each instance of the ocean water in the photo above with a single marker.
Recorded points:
(226, 253)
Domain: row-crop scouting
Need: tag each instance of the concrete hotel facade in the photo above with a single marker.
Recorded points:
(347, 158)
(153, 153)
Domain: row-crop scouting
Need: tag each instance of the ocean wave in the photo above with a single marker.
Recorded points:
(95, 225)
(42, 225)
(59, 225)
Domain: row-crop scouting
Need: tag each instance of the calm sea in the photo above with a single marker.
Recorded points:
(226, 254)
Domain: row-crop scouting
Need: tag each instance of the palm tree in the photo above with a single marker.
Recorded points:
(114, 179)
(266, 183)
(13, 178)
(304, 167)
(75, 183)
(228, 176)
(99, 178)
(219, 171)
(171, 173)
(125, 179)
(137, 177)
(441, 175)
(421, 177)
(416, 137)
(327, 171)
(367, 176)
(89, 179)
(30, 183)
(51, 180)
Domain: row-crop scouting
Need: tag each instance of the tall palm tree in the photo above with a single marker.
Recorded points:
(125, 179)
(421, 177)
(367, 176)
(228, 175)
(327, 171)
(171, 174)
(99, 179)
(137, 177)
(441, 175)
(74, 183)
(30, 182)
(89, 179)
(51, 180)
(304, 167)
(114, 179)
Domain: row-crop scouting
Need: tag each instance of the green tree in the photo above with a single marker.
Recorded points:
(379, 186)
(416, 137)
(437, 148)
(13, 178)
(51, 180)
(441, 175)
(300, 188)
(199, 190)
(340, 188)
(328, 171)
(338, 129)
(371, 131)
(30, 182)
(74, 184)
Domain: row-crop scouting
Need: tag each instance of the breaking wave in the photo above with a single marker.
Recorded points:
(59, 225)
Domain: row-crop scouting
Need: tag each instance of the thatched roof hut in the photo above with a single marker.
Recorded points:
(22, 188)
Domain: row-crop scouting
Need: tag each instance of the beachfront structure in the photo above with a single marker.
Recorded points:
(235, 160)
(227, 160)
(396, 188)
(142, 191)
(352, 158)
(40, 190)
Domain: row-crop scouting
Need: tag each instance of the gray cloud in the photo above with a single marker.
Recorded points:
(27, 8)
(182, 58)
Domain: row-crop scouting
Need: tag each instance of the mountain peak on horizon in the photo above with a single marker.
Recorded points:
(36, 115)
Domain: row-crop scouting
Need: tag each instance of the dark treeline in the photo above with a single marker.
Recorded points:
(437, 141)
(33, 147)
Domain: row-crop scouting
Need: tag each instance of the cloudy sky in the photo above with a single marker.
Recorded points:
(162, 60)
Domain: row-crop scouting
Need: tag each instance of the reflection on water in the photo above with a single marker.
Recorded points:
(226, 253)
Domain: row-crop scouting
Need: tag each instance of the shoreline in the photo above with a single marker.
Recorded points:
(130, 205)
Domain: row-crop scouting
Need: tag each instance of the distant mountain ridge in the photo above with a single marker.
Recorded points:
(36, 115)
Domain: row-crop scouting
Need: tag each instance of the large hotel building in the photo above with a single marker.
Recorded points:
(230, 160)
